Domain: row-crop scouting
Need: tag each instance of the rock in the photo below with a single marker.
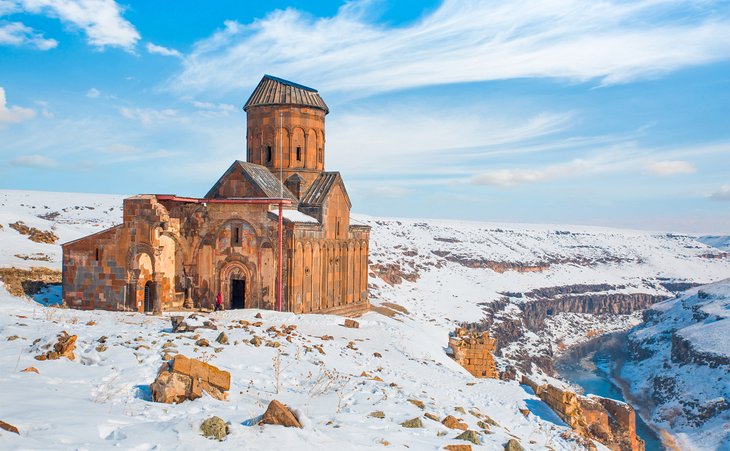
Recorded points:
(525, 412)
(178, 325)
(431, 416)
(417, 403)
(63, 348)
(512, 445)
(214, 427)
(452, 422)
(91, 323)
(458, 447)
(202, 342)
(13, 337)
(352, 324)
(256, 341)
(279, 414)
(412, 423)
(185, 378)
(101, 348)
(222, 338)
(318, 348)
(470, 436)
(273, 344)
(377, 354)
(377, 414)
(102, 339)
(31, 369)
(9, 427)
(168, 344)
(258, 316)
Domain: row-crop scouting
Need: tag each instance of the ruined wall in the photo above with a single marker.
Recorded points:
(610, 422)
(474, 351)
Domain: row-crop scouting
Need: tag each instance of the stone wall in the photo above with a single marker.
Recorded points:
(474, 351)
(610, 422)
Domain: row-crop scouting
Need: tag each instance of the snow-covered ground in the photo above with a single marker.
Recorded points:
(458, 269)
(680, 366)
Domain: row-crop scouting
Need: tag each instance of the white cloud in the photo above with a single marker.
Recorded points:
(34, 161)
(93, 93)
(670, 167)
(150, 117)
(463, 41)
(160, 50)
(100, 20)
(13, 113)
(723, 194)
(18, 34)
(513, 177)
(210, 109)
(122, 149)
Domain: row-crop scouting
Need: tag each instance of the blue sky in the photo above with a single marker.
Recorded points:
(607, 112)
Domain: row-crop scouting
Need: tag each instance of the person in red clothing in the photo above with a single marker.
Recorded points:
(219, 302)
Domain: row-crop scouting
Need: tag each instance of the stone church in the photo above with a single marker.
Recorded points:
(258, 242)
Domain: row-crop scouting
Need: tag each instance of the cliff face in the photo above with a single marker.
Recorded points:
(610, 422)
(679, 360)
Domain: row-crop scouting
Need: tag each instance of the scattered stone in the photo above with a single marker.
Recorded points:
(167, 356)
(91, 323)
(9, 427)
(525, 412)
(137, 348)
(460, 410)
(273, 344)
(352, 324)
(452, 422)
(470, 436)
(318, 348)
(257, 324)
(351, 345)
(417, 403)
(102, 339)
(256, 341)
(458, 447)
(279, 414)
(214, 428)
(31, 369)
(483, 425)
(168, 344)
(13, 337)
(490, 421)
(185, 378)
(431, 416)
(377, 414)
(377, 354)
(377, 379)
(35, 235)
(202, 342)
(222, 338)
(412, 423)
(258, 316)
(101, 348)
(63, 348)
(512, 445)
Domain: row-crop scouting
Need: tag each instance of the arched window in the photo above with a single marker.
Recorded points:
(294, 185)
(268, 154)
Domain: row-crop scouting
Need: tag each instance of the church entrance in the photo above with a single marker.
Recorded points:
(238, 293)
(148, 307)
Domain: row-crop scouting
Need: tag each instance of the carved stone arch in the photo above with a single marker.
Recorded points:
(294, 184)
(247, 229)
(237, 267)
(135, 250)
(298, 147)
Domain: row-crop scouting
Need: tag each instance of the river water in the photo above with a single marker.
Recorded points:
(590, 368)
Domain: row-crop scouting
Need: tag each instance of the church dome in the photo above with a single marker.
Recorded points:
(276, 91)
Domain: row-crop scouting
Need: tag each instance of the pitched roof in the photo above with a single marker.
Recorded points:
(276, 91)
(260, 177)
(317, 193)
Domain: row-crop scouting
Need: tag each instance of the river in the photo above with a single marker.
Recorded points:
(590, 368)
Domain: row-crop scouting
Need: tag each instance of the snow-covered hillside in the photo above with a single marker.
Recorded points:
(538, 288)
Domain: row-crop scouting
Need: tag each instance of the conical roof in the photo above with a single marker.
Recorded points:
(276, 91)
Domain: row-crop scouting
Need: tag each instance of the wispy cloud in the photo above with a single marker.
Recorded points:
(93, 93)
(723, 194)
(664, 168)
(211, 109)
(150, 117)
(13, 113)
(160, 50)
(18, 34)
(463, 41)
(34, 161)
(100, 20)
(513, 177)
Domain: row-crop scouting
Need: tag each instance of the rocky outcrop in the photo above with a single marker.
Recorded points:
(27, 282)
(64, 347)
(496, 266)
(393, 273)
(534, 313)
(35, 235)
(683, 352)
(610, 422)
(186, 379)
(474, 351)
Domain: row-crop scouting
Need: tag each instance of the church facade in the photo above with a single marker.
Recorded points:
(258, 242)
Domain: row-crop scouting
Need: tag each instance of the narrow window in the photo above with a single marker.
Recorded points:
(97, 254)
(236, 234)
(319, 155)
(268, 154)
(299, 154)
(337, 231)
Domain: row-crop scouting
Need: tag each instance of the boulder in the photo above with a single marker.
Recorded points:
(64, 347)
(185, 378)
(512, 445)
(377, 414)
(279, 414)
(222, 338)
(9, 427)
(418, 403)
(412, 423)
(431, 416)
(452, 422)
(214, 428)
(351, 323)
(470, 436)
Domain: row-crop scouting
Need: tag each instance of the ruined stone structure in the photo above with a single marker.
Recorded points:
(171, 252)
(610, 422)
(473, 350)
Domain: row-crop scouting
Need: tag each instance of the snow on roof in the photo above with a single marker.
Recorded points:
(296, 216)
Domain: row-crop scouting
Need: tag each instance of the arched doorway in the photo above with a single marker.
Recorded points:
(148, 302)
(238, 292)
(236, 285)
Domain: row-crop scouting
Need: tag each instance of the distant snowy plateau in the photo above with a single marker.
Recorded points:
(539, 289)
